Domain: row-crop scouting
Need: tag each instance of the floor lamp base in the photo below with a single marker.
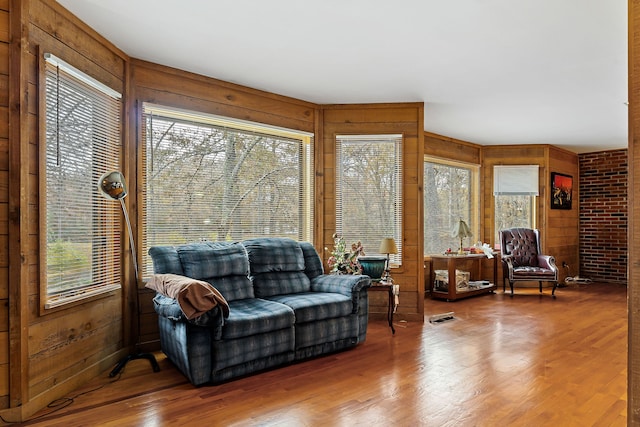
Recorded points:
(150, 357)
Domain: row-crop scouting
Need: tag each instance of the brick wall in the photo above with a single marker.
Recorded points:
(603, 216)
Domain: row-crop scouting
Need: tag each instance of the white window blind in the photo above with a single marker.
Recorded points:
(515, 180)
(369, 190)
(216, 178)
(82, 228)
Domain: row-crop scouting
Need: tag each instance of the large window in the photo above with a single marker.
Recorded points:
(214, 178)
(450, 194)
(369, 190)
(515, 188)
(80, 226)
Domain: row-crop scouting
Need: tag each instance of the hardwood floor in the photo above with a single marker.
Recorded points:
(523, 361)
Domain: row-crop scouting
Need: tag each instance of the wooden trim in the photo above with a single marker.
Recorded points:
(18, 206)
(42, 180)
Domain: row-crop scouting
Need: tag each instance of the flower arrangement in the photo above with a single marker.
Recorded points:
(343, 262)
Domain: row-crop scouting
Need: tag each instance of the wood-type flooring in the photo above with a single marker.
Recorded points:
(529, 360)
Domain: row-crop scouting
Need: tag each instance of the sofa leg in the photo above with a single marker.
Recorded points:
(511, 285)
(540, 282)
(553, 291)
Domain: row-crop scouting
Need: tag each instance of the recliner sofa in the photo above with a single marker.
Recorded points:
(282, 308)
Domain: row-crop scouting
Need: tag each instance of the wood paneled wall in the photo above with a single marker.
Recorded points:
(558, 228)
(452, 149)
(44, 355)
(4, 203)
(405, 119)
(562, 227)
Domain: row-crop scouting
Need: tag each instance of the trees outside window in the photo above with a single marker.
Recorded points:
(513, 211)
(211, 178)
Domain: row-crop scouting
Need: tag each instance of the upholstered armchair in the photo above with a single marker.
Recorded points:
(522, 260)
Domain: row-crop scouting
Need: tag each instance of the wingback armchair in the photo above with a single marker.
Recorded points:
(522, 260)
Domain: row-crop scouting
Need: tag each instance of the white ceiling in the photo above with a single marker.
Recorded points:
(489, 71)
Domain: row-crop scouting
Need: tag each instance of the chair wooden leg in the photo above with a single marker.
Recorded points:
(553, 291)
(511, 285)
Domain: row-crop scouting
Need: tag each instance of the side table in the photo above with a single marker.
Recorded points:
(386, 287)
(451, 264)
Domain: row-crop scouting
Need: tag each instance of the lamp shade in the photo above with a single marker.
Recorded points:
(388, 246)
(461, 230)
(112, 185)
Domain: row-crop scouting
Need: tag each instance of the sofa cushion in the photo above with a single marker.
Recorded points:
(165, 260)
(268, 254)
(279, 283)
(213, 259)
(254, 316)
(312, 262)
(311, 306)
(225, 265)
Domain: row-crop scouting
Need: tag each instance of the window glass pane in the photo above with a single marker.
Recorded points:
(369, 191)
(513, 211)
(82, 126)
(449, 195)
(207, 180)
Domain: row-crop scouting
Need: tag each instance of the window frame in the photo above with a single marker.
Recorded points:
(106, 217)
(474, 194)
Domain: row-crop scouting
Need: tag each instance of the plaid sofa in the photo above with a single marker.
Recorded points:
(282, 307)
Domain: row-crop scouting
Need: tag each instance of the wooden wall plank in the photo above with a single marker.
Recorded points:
(51, 23)
(452, 149)
(406, 119)
(158, 84)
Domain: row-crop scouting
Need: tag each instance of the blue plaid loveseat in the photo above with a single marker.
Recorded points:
(282, 307)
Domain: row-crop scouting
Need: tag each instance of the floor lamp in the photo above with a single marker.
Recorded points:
(113, 186)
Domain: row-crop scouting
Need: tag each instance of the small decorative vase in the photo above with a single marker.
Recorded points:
(373, 266)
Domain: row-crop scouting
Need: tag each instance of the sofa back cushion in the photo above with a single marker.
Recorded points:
(312, 262)
(276, 266)
(166, 260)
(223, 264)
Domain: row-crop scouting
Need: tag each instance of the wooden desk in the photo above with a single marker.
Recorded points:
(386, 287)
(471, 263)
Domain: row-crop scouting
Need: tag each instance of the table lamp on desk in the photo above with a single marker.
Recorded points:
(387, 246)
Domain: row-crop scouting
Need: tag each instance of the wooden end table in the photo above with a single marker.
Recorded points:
(386, 287)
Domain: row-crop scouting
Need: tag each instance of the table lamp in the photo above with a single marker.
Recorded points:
(461, 230)
(387, 246)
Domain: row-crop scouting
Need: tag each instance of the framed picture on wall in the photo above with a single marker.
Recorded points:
(561, 190)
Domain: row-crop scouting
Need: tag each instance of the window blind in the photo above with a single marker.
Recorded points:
(215, 178)
(515, 180)
(82, 228)
(369, 190)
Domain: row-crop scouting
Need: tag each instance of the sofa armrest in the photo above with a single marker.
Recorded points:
(170, 309)
(354, 286)
(345, 284)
